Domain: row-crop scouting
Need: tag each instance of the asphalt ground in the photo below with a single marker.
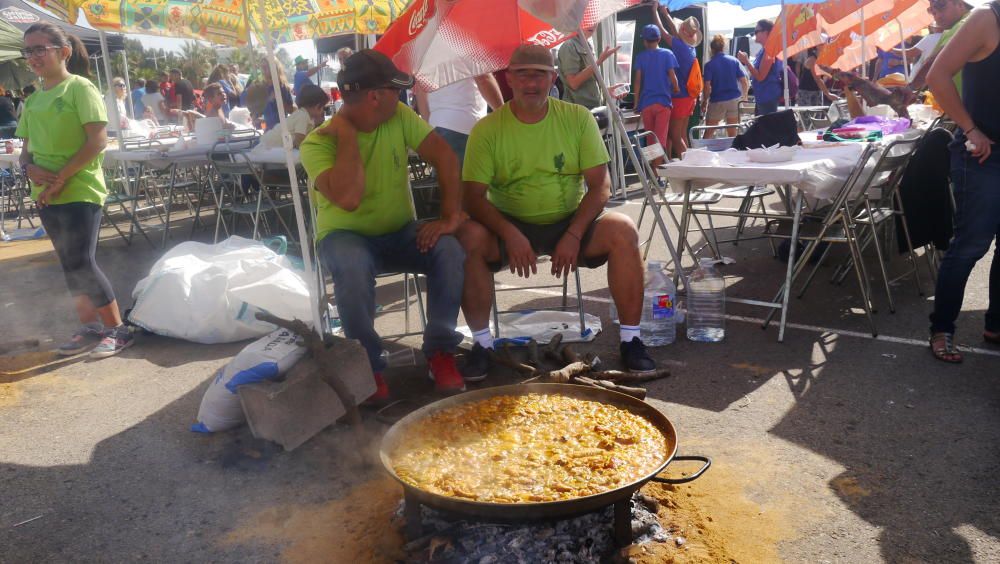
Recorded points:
(843, 447)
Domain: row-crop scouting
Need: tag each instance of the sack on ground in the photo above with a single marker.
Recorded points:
(211, 293)
(264, 359)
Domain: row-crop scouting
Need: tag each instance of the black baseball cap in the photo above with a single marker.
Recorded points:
(369, 69)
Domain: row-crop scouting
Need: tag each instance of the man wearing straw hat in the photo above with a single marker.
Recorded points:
(682, 37)
(525, 168)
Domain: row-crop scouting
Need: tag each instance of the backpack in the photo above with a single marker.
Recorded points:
(695, 83)
(793, 85)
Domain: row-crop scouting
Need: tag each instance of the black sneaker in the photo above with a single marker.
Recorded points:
(477, 364)
(635, 358)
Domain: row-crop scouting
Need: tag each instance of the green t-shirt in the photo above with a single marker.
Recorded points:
(386, 205)
(946, 36)
(573, 59)
(535, 171)
(52, 121)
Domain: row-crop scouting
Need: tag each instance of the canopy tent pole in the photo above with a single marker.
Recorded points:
(109, 95)
(864, 63)
(619, 128)
(286, 139)
(784, 51)
(902, 44)
(128, 88)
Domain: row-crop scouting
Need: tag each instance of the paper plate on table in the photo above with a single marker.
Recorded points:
(772, 154)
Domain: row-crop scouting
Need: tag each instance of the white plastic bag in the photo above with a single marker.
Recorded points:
(542, 325)
(211, 293)
(264, 359)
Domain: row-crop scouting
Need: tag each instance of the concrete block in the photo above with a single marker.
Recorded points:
(292, 411)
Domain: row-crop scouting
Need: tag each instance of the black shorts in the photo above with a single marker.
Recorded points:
(544, 238)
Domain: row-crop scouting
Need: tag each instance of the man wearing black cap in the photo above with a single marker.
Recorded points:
(358, 164)
(524, 173)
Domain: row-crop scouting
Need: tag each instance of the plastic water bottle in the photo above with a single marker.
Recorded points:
(706, 304)
(658, 326)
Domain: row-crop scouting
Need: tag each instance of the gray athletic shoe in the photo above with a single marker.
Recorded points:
(84, 339)
(115, 341)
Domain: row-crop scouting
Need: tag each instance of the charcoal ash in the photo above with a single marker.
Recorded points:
(450, 539)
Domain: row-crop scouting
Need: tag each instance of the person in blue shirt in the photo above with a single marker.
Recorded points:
(725, 85)
(303, 74)
(765, 72)
(138, 108)
(681, 37)
(655, 85)
(889, 61)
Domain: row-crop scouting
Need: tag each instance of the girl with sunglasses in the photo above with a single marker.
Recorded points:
(63, 127)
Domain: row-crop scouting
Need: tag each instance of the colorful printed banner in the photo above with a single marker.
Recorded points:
(224, 21)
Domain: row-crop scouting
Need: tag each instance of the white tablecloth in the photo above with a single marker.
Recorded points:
(818, 168)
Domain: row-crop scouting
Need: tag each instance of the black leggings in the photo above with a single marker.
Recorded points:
(74, 229)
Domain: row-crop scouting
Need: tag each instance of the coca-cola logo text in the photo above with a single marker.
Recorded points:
(420, 16)
(546, 37)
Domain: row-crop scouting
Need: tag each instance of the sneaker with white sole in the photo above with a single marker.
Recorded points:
(84, 339)
(115, 341)
(477, 364)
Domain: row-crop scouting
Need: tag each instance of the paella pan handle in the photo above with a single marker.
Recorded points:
(707, 464)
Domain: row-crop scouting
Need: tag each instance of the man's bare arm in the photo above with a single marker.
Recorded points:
(490, 90)
(344, 183)
(598, 193)
(436, 151)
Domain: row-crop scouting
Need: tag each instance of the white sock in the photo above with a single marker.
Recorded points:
(626, 332)
(484, 338)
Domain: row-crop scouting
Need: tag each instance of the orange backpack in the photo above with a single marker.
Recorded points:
(695, 83)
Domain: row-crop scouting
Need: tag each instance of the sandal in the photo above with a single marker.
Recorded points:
(991, 337)
(943, 348)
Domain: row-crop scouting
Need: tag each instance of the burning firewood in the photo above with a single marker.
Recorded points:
(575, 370)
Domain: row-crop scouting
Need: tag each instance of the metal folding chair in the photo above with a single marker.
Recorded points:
(747, 194)
(836, 223)
(564, 307)
(650, 152)
(881, 203)
(239, 179)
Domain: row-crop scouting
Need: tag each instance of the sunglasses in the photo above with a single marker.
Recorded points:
(37, 51)
(760, 31)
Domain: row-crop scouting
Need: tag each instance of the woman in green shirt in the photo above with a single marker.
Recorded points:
(63, 127)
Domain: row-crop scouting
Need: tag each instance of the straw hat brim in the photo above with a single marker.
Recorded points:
(689, 22)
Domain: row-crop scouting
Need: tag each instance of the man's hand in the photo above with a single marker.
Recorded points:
(982, 145)
(565, 254)
(520, 256)
(606, 53)
(50, 193)
(39, 175)
(429, 233)
(338, 128)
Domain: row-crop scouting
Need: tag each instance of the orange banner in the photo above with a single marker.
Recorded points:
(883, 31)
(810, 25)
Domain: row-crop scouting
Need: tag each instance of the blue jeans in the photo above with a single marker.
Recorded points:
(977, 225)
(354, 260)
(762, 108)
(456, 141)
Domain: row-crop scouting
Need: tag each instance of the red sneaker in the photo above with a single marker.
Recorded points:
(447, 379)
(381, 395)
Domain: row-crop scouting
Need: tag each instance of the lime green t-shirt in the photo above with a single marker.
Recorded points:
(535, 171)
(52, 121)
(386, 205)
